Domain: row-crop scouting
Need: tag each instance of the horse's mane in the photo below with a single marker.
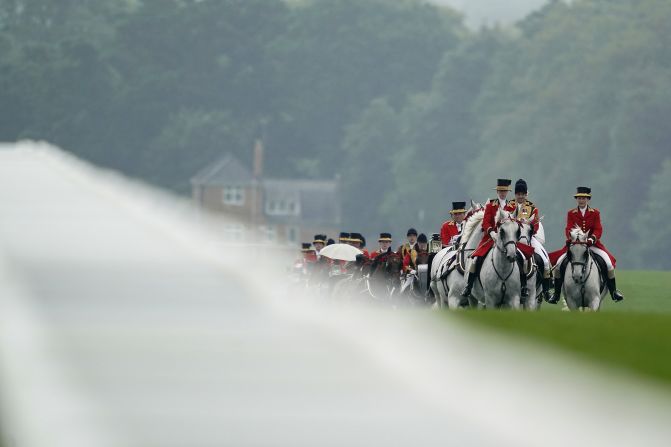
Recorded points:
(577, 234)
(471, 224)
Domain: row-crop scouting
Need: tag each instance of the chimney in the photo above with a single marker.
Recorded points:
(258, 158)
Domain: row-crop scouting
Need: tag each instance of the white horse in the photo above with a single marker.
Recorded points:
(447, 281)
(582, 288)
(499, 285)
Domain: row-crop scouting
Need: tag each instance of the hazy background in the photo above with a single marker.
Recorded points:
(413, 107)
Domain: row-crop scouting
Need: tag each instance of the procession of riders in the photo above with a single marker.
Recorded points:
(411, 262)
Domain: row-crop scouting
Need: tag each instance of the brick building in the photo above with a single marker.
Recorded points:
(286, 211)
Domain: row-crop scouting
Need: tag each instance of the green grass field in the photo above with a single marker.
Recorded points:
(634, 335)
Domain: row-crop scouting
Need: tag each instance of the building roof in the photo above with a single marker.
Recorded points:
(228, 170)
(318, 200)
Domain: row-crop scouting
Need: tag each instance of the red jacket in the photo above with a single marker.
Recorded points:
(489, 224)
(489, 219)
(591, 222)
(448, 231)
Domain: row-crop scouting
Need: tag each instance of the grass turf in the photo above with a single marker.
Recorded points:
(634, 335)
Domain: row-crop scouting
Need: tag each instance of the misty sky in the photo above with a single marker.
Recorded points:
(480, 12)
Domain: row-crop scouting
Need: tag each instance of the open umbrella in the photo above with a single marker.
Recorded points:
(343, 252)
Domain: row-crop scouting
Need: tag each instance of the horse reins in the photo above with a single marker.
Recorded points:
(582, 273)
(502, 249)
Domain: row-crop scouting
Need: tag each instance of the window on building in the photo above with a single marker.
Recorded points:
(234, 195)
(268, 233)
(292, 234)
(282, 207)
(234, 232)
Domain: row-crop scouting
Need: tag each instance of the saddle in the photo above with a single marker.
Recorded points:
(458, 261)
(600, 265)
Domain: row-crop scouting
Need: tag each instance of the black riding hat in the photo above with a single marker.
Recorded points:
(356, 237)
(503, 184)
(583, 191)
(422, 239)
(458, 207)
(411, 231)
(521, 186)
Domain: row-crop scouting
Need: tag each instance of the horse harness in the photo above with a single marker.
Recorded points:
(502, 249)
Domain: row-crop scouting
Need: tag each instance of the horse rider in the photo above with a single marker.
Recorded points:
(308, 257)
(489, 228)
(343, 238)
(526, 210)
(382, 254)
(452, 228)
(385, 247)
(418, 255)
(358, 241)
(319, 242)
(588, 219)
(410, 245)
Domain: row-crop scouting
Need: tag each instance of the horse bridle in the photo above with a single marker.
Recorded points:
(583, 278)
(502, 248)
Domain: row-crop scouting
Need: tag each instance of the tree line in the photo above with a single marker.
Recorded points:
(411, 108)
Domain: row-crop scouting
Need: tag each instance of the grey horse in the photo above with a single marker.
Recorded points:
(499, 285)
(448, 282)
(582, 287)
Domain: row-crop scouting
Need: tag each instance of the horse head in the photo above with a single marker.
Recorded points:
(578, 254)
(509, 232)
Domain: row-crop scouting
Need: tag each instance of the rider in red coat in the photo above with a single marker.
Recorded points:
(489, 227)
(588, 219)
(452, 228)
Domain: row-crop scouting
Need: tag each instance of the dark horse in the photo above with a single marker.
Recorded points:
(384, 277)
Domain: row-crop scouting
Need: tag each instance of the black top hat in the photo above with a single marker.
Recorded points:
(503, 184)
(458, 207)
(435, 236)
(411, 231)
(385, 237)
(344, 237)
(356, 237)
(319, 239)
(422, 239)
(521, 186)
(305, 246)
(584, 191)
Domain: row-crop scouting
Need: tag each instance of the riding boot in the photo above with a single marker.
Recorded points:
(472, 274)
(524, 291)
(615, 294)
(554, 299)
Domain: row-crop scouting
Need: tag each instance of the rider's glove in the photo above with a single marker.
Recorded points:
(590, 241)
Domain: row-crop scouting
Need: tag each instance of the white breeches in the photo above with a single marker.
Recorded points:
(597, 251)
(540, 251)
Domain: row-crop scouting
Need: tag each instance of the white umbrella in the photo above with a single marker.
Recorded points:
(343, 252)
